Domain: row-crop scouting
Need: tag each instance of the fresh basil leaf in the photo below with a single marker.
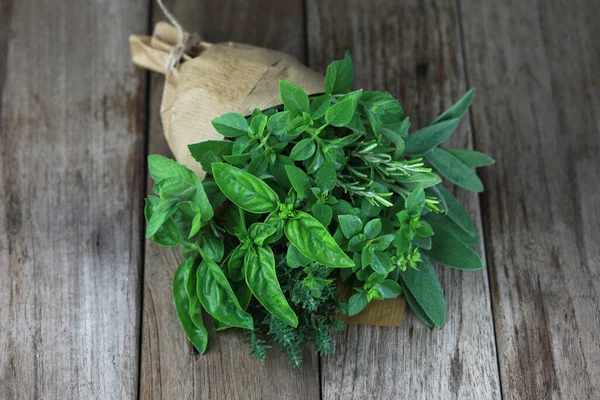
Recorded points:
(340, 114)
(217, 147)
(340, 75)
(231, 125)
(259, 232)
(201, 200)
(294, 258)
(258, 166)
(246, 191)
(217, 297)
(194, 304)
(350, 224)
(303, 150)
(294, 98)
(471, 158)
(373, 228)
(448, 250)
(423, 286)
(357, 303)
(275, 220)
(158, 211)
(299, 180)
(314, 241)
(240, 146)
(212, 247)
(190, 320)
(262, 281)
(235, 263)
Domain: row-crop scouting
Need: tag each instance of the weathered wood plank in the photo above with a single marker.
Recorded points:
(71, 148)
(413, 50)
(536, 66)
(169, 368)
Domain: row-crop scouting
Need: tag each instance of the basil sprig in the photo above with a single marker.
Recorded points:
(299, 199)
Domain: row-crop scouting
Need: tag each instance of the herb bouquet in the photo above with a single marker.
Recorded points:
(323, 192)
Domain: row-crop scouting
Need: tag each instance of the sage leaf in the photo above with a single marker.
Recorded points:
(458, 109)
(246, 191)
(424, 287)
(455, 211)
(448, 250)
(454, 170)
(314, 241)
(471, 158)
(439, 221)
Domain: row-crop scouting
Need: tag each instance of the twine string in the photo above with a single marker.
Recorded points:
(185, 41)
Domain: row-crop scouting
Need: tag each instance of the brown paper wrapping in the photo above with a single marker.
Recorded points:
(214, 79)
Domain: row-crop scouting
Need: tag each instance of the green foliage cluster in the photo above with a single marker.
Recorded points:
(298, 199)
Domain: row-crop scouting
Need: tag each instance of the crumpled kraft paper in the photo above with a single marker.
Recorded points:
(213, 79)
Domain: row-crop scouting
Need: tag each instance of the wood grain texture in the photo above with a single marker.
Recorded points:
(169, 368)
(536, 66)
(411, 49)
(71, 147)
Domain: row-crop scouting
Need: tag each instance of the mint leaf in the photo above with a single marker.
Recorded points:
(340, 75)
(231, 125)
(294, 98)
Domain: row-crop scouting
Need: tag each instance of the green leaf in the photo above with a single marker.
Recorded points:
(396, 134)
(340, 75)
(194, 306)
(389, 289)
(415, 201)
(350, 224)
(471, 158)
(382, 103)
(381, 263)
(423, 286)
(259, 232)
(303, 150)
(299, 180)
(190, 319)
(416, 308)
(323, 213)
(340, 114)
(275, 220)
(196, 224)
(455, 211)
(212, 247)
(454, 170)
(423, 179)
(314, 241)
(319, 106)
(235, 263)
(172, 178)
(293, 97)
(424, 229)
(357, 303)
(448, 250)
(294, 258)
(217, 147)
(280, 123)
(246, 191)
(231, 125)
(373, 228)
(262, 281)
(201, 200)
(158, 211)
(258, 124)
(426, 139)
(217, 296)
(458, 109)
(439, 221)
(326, 177)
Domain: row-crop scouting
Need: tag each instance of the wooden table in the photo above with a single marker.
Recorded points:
(85, 304)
